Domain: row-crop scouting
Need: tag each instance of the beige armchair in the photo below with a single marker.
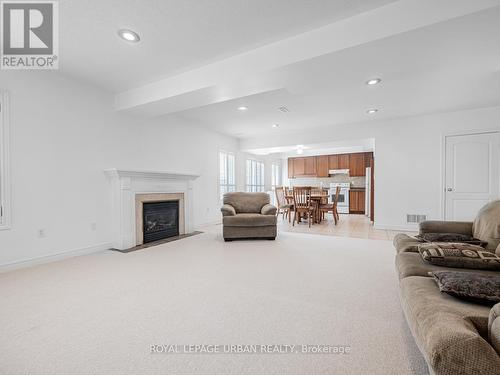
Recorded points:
(248, 215)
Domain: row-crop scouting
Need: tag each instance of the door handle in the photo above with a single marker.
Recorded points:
(449, 189)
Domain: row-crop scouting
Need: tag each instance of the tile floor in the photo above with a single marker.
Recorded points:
(356, 226)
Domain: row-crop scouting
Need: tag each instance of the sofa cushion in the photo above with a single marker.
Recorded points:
(459, 255)
(404, 243)
(486, 227)
(412, 264)
(249, 220)
(469, 285)
(451, 333)
(450, 237)
(437, 226)
(246, 202)
(494, 327)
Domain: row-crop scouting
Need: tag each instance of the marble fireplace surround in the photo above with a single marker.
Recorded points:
(130, 188)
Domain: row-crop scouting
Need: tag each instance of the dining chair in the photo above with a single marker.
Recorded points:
(325, 208)
(302, 203)
(283, 206)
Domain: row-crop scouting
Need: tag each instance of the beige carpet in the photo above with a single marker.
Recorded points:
(99, 314)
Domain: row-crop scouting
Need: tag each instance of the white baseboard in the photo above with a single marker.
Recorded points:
(54, 257)
(403, 228)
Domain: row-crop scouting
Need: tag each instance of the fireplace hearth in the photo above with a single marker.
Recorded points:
(160, 220)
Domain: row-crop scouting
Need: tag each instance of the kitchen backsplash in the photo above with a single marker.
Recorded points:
(325, 181)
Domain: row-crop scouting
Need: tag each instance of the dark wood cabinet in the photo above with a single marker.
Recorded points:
(357, 165)
(322, 165)
(357, 201)
(310, 166)
(368, 158)
(333, 162)
(318, 166)
(303, 166)
(299, 166)
(343, 161)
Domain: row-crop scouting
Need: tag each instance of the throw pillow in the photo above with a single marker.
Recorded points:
(468, 285)
(459, 255)
(450, 237)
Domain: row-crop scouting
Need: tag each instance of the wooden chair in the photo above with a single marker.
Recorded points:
(283, 206)
(302, 204)
(324, 208)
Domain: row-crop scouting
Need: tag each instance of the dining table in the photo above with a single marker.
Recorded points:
(316, 199)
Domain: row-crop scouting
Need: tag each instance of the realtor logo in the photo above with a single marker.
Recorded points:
(29, 34)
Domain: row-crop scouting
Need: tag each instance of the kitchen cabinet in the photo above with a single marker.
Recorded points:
(357, 165)
(310, 166)
(343, 161)
(368, 157)
(303, 166)
(322, 165)
(356, 201)
(318, 166)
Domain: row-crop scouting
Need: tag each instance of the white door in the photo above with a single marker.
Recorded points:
(471, 174)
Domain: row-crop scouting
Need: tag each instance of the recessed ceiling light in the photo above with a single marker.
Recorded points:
(373, 81)
(129, 35)
(300, 149)
(242, 108)
(275, 125)
(372, 111)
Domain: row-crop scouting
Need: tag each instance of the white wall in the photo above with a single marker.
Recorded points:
(63, 134)
(408, 156)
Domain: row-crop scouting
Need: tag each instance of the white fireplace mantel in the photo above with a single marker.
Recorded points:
(126, 184)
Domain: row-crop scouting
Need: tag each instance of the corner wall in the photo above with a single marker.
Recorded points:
(63, 135)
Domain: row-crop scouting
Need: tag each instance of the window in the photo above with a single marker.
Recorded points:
(255, 175)
(276, 175)
(4, 163)
(226, 173)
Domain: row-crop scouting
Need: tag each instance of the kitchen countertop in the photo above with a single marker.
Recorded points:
(357, 188)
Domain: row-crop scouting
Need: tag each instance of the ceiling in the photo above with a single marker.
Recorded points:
(180, 35)
(200, 60)
(444, 67)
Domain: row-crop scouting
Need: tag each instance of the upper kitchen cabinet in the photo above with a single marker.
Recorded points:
(305, 166)
(368, 158)
(333, 162)
(340, 161)
(310, 166)
(357, 165)
(343, 161)
(322, 165)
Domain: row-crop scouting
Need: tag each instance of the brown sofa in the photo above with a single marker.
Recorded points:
(248, 215)
(456, 337)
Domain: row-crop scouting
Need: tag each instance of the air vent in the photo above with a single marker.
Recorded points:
(414, 218)
(283, 109)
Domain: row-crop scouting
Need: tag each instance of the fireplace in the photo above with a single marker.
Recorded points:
(130, 189)
(160, 220)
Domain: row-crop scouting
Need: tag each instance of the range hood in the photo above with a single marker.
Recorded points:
(338, 171)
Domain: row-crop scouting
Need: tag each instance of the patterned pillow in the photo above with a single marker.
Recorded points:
(468, 285)
(459, 255)
(450, 237)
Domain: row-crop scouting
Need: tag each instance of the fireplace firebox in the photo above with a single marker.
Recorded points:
(160, 220)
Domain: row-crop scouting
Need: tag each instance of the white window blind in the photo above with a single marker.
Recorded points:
(226, 173)
(255, 176)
